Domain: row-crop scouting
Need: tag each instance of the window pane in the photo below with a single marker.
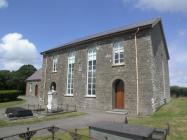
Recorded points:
(89, 74)
(93, 92)
(89, 80)
(90, 63)
(94, 74)
(90, 67)
(89, 92)
(94, 80)
(121, 60)
(116, 61)
(116, 56)
(89, 86)
(121, 55)
(94, 62)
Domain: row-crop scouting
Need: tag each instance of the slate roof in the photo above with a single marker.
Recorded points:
(132, 27)
(145, 24)
(136, 130)
(36, 76)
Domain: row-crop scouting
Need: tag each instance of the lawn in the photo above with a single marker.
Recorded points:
(175, 113)
(84, 132)
(18, 101)
(5, 123)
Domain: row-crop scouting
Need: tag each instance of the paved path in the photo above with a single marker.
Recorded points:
(67, 123)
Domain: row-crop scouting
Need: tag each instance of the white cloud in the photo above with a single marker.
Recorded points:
(16, 51)
(3, 3)
(178, 61)
(161, 5)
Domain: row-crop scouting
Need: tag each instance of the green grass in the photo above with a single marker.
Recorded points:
(12, 103)
(65, 135)
(5, 123)
(174, 113)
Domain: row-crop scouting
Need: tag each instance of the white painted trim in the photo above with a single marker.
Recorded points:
(90, 96)
(68, 95)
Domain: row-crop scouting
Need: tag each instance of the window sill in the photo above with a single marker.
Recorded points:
(54, 71)
(68, 95)
(90, 96)
(117, 65)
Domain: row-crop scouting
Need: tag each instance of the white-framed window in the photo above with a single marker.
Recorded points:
(55, 63)
(118, 53)
(70, 73)
(91, 72)
(30, 87)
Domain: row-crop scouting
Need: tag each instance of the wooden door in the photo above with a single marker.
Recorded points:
(119, 100)
(36, 90)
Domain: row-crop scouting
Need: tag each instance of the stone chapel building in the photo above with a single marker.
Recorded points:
(120, 69)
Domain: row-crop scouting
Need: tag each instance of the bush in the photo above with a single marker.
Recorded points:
(178, 91)
(9, 95)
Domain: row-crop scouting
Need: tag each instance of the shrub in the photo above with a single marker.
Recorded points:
(8, 95)
(178, 91)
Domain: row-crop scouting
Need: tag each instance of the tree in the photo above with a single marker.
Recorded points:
(5, 76)
(22, 74)
(16, 79)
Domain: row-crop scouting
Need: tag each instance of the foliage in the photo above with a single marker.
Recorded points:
(15, 80)
(8, 95)
(178, 91)
(174, 113)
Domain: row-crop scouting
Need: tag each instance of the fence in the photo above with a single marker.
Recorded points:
(61, 107)
(50, 133)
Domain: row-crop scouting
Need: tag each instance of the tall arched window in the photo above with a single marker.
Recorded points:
(91, 72)
(118, 53)
(70, 73)
(55, 63)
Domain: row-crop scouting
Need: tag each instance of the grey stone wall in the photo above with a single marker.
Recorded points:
(106, 74)
(34, 83)
(160, 71)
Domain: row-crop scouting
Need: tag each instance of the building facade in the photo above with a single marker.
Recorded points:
(121, 69)
(33, 84)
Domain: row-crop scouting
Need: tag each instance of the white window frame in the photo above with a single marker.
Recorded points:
(55, 64)
(30, 87)
(91, 69)
(70, 74)
(118, 49)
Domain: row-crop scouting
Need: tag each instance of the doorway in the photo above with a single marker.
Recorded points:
(119, 94)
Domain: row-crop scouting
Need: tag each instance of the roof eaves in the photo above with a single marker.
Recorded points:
(105, 34)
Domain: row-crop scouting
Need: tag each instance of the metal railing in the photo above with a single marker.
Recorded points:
(51, 133)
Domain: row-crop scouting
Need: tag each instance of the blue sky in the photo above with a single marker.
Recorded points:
(28, 27)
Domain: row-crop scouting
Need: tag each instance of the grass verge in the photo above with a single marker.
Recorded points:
(18, 101)
(5, 123)
(84, 132)
(175, 113)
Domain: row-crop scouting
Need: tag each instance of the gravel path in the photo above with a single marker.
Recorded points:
(67, 123)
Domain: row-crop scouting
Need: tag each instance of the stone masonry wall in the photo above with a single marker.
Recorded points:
(106, 74)
(160, 71)
(34, 83)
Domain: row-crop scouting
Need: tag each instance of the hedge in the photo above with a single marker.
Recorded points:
(178, 91)
(8, 95)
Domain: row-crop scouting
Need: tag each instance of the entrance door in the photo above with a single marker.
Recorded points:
(119, 95)
(36, 90)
